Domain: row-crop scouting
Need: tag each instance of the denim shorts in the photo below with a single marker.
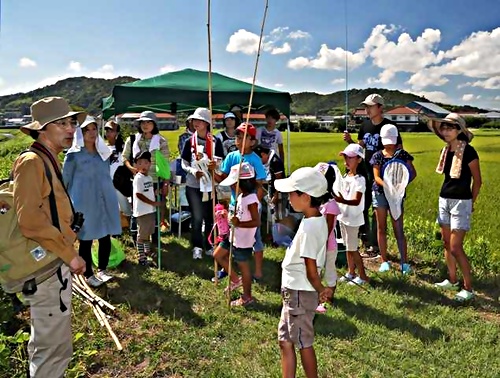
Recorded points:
(239, 254)
(455, 213)
(258, 245)
(379, 200)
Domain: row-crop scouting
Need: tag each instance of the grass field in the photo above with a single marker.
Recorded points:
(175, 323)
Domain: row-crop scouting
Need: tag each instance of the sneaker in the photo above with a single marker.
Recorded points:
(321, 309)
(347, 277)
(220, 275)
(447, 285)
(234, 285)
(384, 267)
(94, 281)
(146, 263)
(357, 281)
(464, 295)
(406, 268)
(104, 276)
(370, 253)
(197, 253)
(209, 252)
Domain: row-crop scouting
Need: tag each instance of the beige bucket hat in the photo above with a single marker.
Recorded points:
(50, 109)
(453, 118)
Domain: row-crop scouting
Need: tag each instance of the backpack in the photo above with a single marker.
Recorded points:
(122, 179)
(23, 262)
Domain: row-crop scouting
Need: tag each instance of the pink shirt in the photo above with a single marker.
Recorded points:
(244, 237)
(331, 207)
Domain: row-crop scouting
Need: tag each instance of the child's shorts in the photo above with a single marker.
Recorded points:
(380, 200)
(455, 213)
(146, 226)
(297, 315)
(258, 245)
(349, 236)
(239, 254)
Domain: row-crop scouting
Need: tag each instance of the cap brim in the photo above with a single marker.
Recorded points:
(284, 185)
(386, 141)
(369, 103)
(228, 181)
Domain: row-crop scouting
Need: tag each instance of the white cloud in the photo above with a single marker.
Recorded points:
(497, 98)
(27, 63)
(243, 41)
(468, 97)
(167, 68)
(286, 48)
(433, 96)
(490, 83)
(298, 34)
(328, 59)
(75, 66)
(337, 81)
(2, 82)
(104, 72)
(278, 85)
(431, 76)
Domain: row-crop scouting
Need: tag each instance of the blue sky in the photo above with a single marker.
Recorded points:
(448, 50)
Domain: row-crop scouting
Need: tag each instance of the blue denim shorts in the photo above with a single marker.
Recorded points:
(379, 200)
(258, 245)
(239, 254)
(455, 213)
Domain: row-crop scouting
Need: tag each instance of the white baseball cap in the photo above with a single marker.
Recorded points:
(203, 114)
(373, 99)
(306, 180)
(389, 134)
(246, 172)
(352, 150)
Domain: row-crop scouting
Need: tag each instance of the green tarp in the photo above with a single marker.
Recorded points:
(185, 90)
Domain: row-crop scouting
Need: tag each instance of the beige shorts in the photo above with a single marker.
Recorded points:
(145, 226)
(297, 314)
(350, 237)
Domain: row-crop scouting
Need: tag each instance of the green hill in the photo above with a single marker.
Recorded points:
(81, 92)
(86, 93)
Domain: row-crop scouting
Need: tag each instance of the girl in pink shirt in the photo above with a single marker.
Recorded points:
(330, 210)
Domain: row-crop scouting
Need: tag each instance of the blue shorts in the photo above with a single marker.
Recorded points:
(379, 200)
(455, 213)
(239, 254)
(258, 245)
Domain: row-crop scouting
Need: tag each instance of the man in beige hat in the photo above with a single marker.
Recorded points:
(54, 123)
(369, 138)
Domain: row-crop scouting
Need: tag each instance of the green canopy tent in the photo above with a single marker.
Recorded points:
(185, 90)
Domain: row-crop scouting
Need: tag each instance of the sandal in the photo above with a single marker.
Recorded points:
(234, 285)
(242, 302)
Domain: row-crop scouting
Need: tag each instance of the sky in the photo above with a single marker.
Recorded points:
(446, 50)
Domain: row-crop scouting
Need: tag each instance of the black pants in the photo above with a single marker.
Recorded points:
(104, 251)
(200, 211)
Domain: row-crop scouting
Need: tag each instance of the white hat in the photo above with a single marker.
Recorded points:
(203, 114)
(88, 121)
(352, 150)
(373, 99)
(306, 180)
(146, 115)
(389, 134)
(246, 172)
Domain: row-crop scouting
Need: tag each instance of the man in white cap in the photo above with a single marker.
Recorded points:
(369, 138)
(54, 123)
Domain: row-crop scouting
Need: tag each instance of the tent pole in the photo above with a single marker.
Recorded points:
(288, 161)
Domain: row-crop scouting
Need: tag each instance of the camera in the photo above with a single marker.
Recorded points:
(78, 220)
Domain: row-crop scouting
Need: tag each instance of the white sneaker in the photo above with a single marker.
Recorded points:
(94, 281)
(357, 280)
(197, 253)
(104, 276)
(209, 252)
(447, 285)
(464, 295)
(347, 277)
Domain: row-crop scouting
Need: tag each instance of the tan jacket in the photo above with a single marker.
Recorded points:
(31, 201)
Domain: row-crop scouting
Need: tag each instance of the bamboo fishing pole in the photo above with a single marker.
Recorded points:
(243, 143)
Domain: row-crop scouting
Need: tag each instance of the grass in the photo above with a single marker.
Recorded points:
(175, 323)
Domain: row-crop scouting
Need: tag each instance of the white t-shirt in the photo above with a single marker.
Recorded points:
(115, 160)
(309, 241)
(244, 237)
(352, 215)
(143, 184)
(270, 139)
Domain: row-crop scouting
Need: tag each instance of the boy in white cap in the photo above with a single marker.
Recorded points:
(301, 285)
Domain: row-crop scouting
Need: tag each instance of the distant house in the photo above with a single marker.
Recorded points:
(428, 109)
(404, 117)
(493, 116)
(166, 121)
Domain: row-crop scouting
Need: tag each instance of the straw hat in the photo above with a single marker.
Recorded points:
(50, 109)
(453, 118)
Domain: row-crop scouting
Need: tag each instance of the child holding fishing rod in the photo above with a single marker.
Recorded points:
(389, 136)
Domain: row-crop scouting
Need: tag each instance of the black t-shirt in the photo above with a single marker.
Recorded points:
(370, 135)
(459, 188)
(187, 151)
